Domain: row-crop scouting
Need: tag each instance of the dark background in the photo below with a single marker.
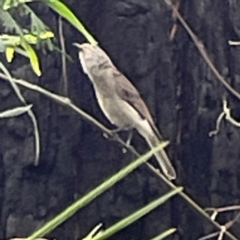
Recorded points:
(183, 95)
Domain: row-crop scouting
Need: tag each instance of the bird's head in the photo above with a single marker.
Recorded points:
(93, 59)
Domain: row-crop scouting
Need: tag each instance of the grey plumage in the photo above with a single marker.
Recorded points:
(120, 100)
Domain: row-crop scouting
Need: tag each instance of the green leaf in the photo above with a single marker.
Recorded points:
(9, 52)
(66, 13)
(94, 232)
(7, 4)
(31, 38)
(33, 57)
(136, 215)
(31, 53)
(68, 212)
(13, 3)
(164, 234)
(15, 111)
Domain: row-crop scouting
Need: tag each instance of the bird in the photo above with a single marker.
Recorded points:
(120, 101)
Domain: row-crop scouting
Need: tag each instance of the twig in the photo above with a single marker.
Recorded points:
(228, 117)
(63, 56)
(30, 112)
(223, 209)
(224, 227)
(230, 223)
(218, 122)
(66, 102)
(221, 234)
(175, 26)
(211, 235)
(227, 114)
(200, 46)
(233, 43)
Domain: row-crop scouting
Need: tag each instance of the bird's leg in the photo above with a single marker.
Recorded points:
(129, 139)
(114, 131)
(117, 130)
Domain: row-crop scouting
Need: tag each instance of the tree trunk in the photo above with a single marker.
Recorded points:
(184, 97)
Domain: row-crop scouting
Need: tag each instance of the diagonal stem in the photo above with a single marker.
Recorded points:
(66, 102)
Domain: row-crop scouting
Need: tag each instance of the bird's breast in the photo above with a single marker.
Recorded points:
(118, 112)
(83, 63)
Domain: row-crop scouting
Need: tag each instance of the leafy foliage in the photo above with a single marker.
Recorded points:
(33, 31)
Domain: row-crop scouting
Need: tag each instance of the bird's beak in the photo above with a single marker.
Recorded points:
(77, 45)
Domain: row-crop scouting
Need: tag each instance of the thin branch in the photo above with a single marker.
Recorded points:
(66, 102)
(200, 46)
(227, 114)
(228, 117)
(211, 235)
(218, 122)
(30, 112)
(230, 223)
(223, 209)
(233, 43)
(223, 227)
(60, 99)
(221, 234)
(175, 25)
(63, 50)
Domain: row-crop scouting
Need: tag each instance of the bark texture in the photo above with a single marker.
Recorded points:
(183, 95)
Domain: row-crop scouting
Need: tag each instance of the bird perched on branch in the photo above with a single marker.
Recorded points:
(120, 101)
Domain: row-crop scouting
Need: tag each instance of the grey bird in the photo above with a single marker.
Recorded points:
(120, 101)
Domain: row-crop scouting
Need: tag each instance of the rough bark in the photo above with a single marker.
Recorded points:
(183, 95)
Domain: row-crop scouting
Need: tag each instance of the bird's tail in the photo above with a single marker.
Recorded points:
(161, 156)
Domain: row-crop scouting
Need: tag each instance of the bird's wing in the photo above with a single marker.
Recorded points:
(129, 93)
